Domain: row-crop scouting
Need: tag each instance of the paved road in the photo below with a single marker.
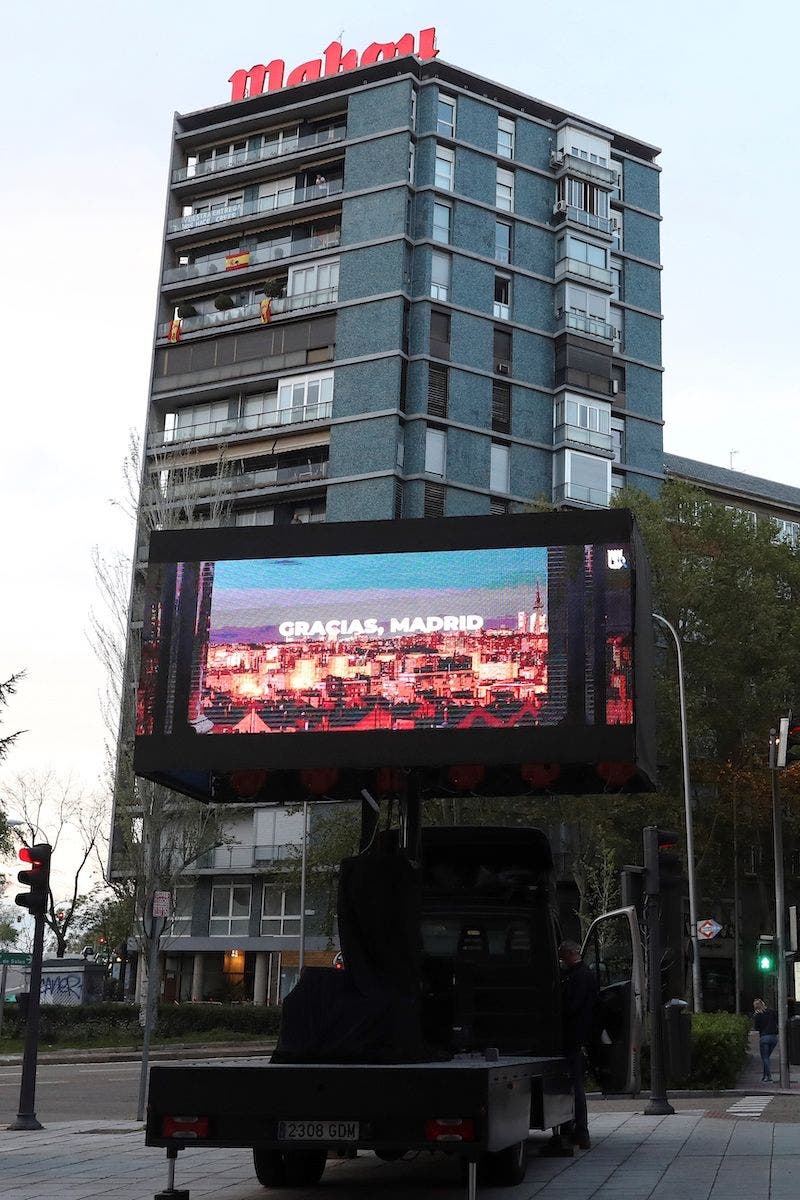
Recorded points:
(65, 1091)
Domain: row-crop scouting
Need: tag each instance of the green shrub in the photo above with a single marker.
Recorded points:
(719, 1049)
(111, 1023)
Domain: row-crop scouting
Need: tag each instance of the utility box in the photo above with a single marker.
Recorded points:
(72, 981)
(678, 1040)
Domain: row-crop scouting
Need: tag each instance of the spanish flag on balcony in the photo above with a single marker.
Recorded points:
(174, 332)
(240, 258)
(266, 310)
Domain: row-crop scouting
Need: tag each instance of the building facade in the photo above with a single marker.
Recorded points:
(400, 291)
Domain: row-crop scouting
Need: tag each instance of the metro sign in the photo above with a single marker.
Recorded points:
(270, 78)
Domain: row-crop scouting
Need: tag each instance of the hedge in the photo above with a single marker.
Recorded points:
(719, 1050)
(113, 1022)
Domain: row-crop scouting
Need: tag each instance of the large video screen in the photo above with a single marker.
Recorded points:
(392, 644)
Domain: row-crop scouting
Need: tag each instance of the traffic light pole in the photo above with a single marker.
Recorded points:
(26, 1116)
(780, 919)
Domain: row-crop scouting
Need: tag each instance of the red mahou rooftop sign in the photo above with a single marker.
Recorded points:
(270, 78)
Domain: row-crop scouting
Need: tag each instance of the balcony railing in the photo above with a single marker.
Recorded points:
(597, 497)
(242, 158)
(568, 212)
(251, 423)
(247, 481)
(226, 858)
(562, 160)
(574, 266)
(594, 326)
(251, 208)
(249, 312)
(263, 254)
(577, 435)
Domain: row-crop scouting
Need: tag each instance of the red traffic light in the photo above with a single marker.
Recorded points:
(36, 878)
(26, 854)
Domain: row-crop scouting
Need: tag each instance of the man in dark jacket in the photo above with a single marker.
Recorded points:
(579, 1001)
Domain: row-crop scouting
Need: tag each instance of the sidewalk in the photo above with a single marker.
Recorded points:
(633, 1157)
(750, 1078)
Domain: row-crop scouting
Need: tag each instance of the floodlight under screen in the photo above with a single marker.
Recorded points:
(396, 657)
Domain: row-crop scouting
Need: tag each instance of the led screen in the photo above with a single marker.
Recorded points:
(329, 645)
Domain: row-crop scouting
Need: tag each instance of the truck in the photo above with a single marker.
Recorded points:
(441, 1033)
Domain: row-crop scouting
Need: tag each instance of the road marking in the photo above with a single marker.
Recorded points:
(749, 1106)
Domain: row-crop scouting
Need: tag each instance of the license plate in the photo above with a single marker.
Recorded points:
(318, 1131)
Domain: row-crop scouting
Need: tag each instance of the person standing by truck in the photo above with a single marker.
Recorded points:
(765, 1022)
(579, 1002)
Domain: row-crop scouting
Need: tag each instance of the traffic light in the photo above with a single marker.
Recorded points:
(793, 743)
(662, 865)
(36, 877)
(765, 953)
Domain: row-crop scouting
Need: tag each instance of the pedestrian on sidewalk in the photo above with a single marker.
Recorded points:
(579, 996)
(765, 1022)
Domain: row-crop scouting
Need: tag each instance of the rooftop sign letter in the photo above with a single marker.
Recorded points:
(270, 78)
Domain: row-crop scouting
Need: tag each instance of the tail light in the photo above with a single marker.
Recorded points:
(184, 1127)
(449, 1129)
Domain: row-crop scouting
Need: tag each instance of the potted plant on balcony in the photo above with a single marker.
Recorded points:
(186, 309)
(275, 288)
(224, 301)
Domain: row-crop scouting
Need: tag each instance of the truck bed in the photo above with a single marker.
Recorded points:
(254, 1103)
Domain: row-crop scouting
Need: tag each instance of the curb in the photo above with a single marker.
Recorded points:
(161, 1053)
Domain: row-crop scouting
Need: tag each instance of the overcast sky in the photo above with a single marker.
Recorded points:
(88, 95)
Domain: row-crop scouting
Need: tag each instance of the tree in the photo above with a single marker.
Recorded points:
(157, 833)
(57, 810)
(106, 922)
(7, 688)
(9, 925)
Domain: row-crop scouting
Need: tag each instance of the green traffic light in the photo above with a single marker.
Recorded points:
(764, 962)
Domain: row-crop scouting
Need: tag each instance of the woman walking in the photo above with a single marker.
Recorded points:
(765, 1022)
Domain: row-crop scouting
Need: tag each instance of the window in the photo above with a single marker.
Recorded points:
(579, 250)
(442, 217)
(437, 390)
(616, 191)
(217, 158)
(618, 439)
(505, 137)
(616, 279)
(446, 117)
(501, 406)
(413, 108)
(445, 168)
(440, 334)
(440, 275)
(255, 516)
(787, 531)
(617, 323)
(617, 482)
(502, 297)
(591, 416)
(583, 309)
(314, 277)
(182, 900)
(502, 241)
(581, 477)
(500, 468)
(504, 191)
(230, 910)
(304, 398)
(616, 231)
(618, 384)
(582, 144)
(502, 351)
(280, 911)
(435, 451)
(434, 500)
(587, 197)
(412, 158)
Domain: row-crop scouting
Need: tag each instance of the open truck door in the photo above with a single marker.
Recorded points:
(612, 949)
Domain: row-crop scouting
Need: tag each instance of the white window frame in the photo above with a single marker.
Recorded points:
(307, 397)
(230, 918)
(444, 168)
(571, 461)
(282, 924)
(445, 128)
(501, 311)
(500, 468)
(579, 411)
(441, 206)
(435, 452)
(504, 190)
(787, 531)
(440, 275)
(324, 275)
(506, 133)
(506, 225)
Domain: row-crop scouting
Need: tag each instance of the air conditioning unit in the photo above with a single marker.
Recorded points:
(501, 368)
(556, 158)
(560, 206)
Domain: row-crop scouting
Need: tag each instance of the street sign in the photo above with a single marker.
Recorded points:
(708, 929)
(162, 904)
(13, 958)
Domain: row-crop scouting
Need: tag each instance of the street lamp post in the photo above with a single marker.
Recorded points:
(697, 991)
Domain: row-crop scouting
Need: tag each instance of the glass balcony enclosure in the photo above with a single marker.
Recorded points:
(275, 145)
(229, 209)
(251, 310)
(218, 263)
(583, 422)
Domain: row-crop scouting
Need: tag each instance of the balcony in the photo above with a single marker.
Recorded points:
(243, 158)
(246, 481)
(251, 208)
(252, 423)
(576, 435)
(582, 323)
(563, 162)
(574, 266)
(568, 212)
(250, 312)
(242, 858)
(564, 493)
(265, 254)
